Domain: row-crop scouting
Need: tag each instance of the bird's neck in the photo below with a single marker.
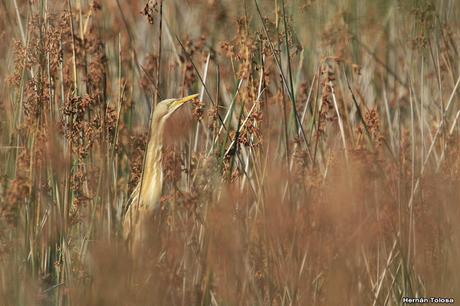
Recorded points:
(152, 179)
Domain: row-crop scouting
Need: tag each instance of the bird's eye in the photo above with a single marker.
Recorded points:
(172, 104)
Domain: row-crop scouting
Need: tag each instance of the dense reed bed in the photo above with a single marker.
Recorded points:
(321, 165)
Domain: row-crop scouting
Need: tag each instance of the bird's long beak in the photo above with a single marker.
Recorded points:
(179, 102)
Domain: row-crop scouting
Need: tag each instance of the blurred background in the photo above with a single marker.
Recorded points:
(320, 165)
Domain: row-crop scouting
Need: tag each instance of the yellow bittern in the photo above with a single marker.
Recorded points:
(144, 200)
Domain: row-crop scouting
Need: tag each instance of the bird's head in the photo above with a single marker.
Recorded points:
(167, 107)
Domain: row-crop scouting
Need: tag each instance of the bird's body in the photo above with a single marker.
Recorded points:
(144, 200)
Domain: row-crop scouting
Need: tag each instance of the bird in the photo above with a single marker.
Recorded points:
(143, 202)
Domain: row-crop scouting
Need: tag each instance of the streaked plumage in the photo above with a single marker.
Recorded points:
(143, 203)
